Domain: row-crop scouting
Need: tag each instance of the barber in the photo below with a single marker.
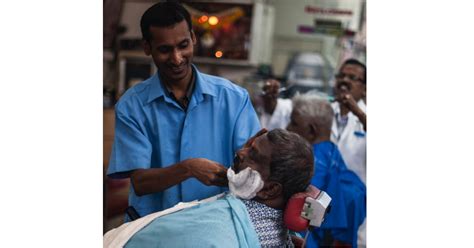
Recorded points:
(176, 132)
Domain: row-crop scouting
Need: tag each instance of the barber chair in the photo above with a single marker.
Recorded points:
(306, 210)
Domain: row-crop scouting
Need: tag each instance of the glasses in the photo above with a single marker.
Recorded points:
(351, 77)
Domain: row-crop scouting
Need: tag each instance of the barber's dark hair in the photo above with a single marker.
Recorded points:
(163, 14)
(292, 161)
(358, 63)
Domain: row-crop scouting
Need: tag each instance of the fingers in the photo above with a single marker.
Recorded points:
(342, 98)
(219, 176)
(272, 84)
(349, 102)
(271, 88)
(209, 172)
(216, 178)
(220, 180)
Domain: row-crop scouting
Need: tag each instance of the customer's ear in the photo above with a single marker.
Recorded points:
(270, 190)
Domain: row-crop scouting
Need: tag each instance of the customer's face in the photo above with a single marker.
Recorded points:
(256, 155)
(172, 51)
(349, 80)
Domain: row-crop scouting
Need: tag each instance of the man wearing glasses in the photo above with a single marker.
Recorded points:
(349, 127)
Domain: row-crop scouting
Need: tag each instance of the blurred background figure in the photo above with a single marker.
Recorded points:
(275, 112)
(350, 121)
(349, 125)
(312, 119)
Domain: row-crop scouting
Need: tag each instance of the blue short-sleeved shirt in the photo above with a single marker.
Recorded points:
(153, 131)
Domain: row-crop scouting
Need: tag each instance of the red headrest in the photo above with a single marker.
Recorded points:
(292, 215)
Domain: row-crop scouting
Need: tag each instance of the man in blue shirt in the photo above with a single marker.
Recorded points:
(312, 119)
(177, 131)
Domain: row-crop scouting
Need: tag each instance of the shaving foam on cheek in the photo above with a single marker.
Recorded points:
(244, 184)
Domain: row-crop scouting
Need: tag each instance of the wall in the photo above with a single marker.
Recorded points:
(261, 44)
(131, 14)
(291, 14)
(278, 38)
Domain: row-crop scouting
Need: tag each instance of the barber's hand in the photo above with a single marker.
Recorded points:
(207, 171)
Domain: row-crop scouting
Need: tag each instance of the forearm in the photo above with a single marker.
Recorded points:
(356, 110)
(148, 181)
(362, 118)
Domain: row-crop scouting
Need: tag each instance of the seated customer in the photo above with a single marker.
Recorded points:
(312, 119)
(267, 171)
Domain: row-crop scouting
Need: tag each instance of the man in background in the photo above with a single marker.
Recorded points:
(349, 124)
(275, 111)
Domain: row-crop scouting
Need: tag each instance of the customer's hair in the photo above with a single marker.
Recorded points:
(291, 161)
(316, 108)
(163, 14)
(358, 63)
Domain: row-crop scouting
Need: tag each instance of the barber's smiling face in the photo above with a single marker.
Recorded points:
(255, 155)
(172, 51)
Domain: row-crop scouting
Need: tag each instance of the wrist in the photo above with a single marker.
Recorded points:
(358, 112)
(185, 168)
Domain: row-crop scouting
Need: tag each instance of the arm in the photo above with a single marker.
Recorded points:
(131, 158)
(347, 101)
(362, 117)
(147, 181)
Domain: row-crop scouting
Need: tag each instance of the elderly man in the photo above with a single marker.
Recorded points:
(312, 119)
(267, 171)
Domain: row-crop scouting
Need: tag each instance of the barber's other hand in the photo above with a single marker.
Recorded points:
(207, 171)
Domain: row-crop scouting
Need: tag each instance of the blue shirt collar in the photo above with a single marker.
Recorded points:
(202, 87)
